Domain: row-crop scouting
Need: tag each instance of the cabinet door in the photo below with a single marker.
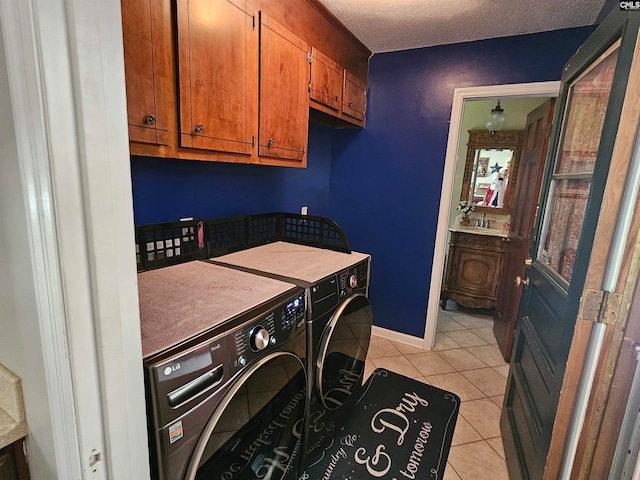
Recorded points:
(355, 97)
(146, 29)
(284, 98)
(218, 69)
(477, 272)
(326, 82)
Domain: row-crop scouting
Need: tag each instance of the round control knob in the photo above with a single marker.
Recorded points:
(353, 281)
(259, 338)
(242, 361)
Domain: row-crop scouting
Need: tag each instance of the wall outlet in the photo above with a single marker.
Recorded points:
(303, 211)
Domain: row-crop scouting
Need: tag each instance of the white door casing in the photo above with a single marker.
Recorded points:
(460, 95)
(65, 67)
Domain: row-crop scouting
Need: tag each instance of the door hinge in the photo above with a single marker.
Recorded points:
(309, 86)
(253, 22)
(600, 306)
(253, 141)
(308, 57)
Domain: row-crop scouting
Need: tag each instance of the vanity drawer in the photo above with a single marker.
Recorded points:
(484, 242)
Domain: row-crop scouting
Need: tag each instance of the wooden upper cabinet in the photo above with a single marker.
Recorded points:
(284, 96)
(146, 28)
(325, 86)
(355, 97)
(215, 80)
(218, 75)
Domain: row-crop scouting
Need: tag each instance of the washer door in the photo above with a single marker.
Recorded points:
(343, 351)
(255, 432)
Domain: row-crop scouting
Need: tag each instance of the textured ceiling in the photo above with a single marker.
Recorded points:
(389, 25)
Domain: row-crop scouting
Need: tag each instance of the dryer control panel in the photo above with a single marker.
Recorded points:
(354, 279)
(259, 337)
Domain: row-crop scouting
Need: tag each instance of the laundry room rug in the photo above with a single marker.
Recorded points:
(399, 429)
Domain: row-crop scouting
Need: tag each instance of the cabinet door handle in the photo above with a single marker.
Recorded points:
(349, 103)
(271, 141)
(199, 128)
(337, 97)
(150, 120)
(522, 281)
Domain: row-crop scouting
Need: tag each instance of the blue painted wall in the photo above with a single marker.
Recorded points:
(385, 179)
(381, 184)
(166, 190)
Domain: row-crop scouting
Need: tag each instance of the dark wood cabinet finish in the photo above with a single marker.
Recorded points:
(147, 38)
(218, 74)
(473, 270)
(7, 466)
(284, 104)
(13, 464)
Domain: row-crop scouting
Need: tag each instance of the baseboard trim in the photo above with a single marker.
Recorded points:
(398, 337)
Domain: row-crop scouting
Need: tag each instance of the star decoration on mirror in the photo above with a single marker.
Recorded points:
(495, 168)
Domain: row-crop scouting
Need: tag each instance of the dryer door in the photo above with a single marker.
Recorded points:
(343, 351)
(255, 430)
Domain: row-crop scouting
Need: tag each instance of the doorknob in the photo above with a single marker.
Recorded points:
(528, 262)
(521, 281)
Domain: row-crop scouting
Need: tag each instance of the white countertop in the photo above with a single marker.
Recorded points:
(479, 231)
(13, 424)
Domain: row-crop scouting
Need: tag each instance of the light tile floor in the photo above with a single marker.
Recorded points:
(465, 360)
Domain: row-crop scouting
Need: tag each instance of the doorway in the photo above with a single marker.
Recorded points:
(470, 98)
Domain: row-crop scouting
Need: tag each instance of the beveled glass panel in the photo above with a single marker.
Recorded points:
(576, 156)
(561, 242)
(586, 108)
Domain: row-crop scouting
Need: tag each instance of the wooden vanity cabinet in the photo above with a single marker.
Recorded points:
(146, 29)
(473, 270)
(284, 101)
(218, 75)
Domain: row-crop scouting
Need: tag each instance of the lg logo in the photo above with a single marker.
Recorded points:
(171, 368)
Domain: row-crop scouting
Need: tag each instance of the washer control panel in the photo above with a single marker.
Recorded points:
(258, 337)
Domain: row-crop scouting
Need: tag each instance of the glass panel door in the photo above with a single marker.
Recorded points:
(587, 102)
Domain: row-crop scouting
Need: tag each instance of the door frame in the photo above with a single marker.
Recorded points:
(460, 95)
(65, 69)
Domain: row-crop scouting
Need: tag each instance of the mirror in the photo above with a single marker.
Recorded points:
(490, 168)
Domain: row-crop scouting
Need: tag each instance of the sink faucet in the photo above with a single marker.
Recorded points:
(482, 222)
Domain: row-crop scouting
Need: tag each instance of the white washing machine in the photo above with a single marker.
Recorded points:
(225, 373)
(339, 321)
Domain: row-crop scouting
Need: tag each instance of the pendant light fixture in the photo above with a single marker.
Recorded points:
(497, 119)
